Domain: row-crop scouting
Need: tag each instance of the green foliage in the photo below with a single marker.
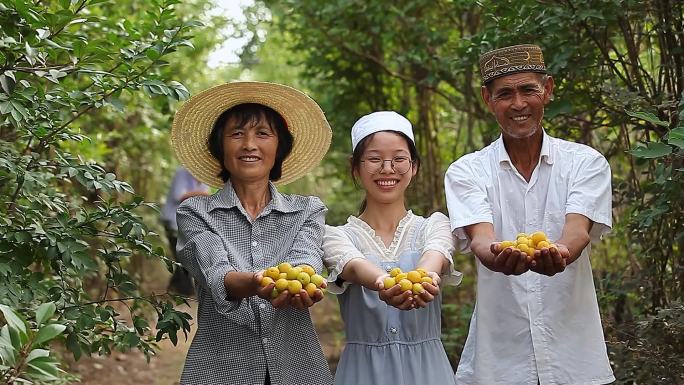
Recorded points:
(76, 76)
(23, 357)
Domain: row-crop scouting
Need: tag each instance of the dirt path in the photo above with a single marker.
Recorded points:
(164, 369)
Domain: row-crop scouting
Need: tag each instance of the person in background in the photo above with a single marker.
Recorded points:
(536, 318)
(183, 186)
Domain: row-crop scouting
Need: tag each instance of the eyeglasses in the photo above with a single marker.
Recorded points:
(400, 164)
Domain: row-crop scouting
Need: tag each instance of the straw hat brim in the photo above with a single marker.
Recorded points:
(195, 119)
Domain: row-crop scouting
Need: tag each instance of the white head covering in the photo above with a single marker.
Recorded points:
(380, 121)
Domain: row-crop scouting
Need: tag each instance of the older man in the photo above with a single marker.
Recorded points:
(536, 320)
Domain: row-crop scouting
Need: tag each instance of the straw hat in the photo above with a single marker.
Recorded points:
(195, 119)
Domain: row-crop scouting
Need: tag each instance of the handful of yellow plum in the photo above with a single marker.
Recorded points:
(528, 243)
(408, 281)
(292, 279)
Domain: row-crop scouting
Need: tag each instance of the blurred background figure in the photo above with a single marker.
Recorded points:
(183, 186)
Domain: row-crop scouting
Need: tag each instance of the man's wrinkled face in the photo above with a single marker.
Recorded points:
(517, 102)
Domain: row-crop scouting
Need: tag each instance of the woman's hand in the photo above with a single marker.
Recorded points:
(262, 291)
(285, 299)
(394, 297)
(431, 291)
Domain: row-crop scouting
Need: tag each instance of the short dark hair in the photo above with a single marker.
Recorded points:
(361, 148)
(251, 113)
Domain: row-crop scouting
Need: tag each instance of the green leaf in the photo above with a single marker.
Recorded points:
(649, 117)
(48, 332)
(36, 353)
(8, 353)
(13, 319)
(45, 312)
(73, 345)
(651, 150)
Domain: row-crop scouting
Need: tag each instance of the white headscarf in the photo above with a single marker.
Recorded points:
(380, 121)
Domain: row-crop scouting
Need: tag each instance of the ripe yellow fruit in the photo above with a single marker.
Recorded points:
(413, 276)
(537, 237)
(426, 279)
(283, 276)
(293, 273)
(265, 281)
(542, 245)
(528, 244)
(405, 284)
(272, 272)
(307, 269)
(400, 276)
(388, 282)
(281, 284)
(523, 248)
(294, 287)
(284, 267)
(423, 272)
(506, 244)
(310, 289)
(393, 273)
(418, 288)
(304, 278)
(317, 280)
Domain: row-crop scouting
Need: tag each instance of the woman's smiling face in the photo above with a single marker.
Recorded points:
(386, 167)
(249, 150)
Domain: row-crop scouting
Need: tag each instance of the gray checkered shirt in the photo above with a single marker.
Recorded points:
(237, 341)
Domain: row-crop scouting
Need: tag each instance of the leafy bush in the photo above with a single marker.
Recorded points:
(68, 224)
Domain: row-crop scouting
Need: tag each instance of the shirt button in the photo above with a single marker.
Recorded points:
(265, 340)
(388, 268)
(537, 323)
(393, 330)
(254, 243)
(262, 306)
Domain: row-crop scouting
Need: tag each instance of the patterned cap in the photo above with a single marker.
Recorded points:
(510, 60)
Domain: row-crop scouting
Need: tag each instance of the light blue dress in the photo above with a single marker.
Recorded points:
(386, 345)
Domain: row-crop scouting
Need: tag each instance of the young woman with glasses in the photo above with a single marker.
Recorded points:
(393, 337)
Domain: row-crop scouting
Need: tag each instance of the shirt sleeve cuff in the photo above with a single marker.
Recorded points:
(219, 293)
(602, 222)
(334, 273)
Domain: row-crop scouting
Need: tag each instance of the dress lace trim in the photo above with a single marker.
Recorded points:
(399, 233)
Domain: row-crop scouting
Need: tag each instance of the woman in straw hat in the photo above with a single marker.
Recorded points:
(393, 336)
(244, 138)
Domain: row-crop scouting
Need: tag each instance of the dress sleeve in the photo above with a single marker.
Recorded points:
(590, 194)
(203, 254)
(338, 250)
(438, 237)
(467, 200)
(306, 248)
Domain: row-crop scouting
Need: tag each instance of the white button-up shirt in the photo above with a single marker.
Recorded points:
(533, 327)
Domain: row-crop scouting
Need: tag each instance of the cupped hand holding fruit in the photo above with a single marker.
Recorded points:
(551, 260)
(410, 290)
(530, 252)
(510, 260)
(283, 285)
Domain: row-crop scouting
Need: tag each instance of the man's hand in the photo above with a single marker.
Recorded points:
(551, 260)
(510, 261)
